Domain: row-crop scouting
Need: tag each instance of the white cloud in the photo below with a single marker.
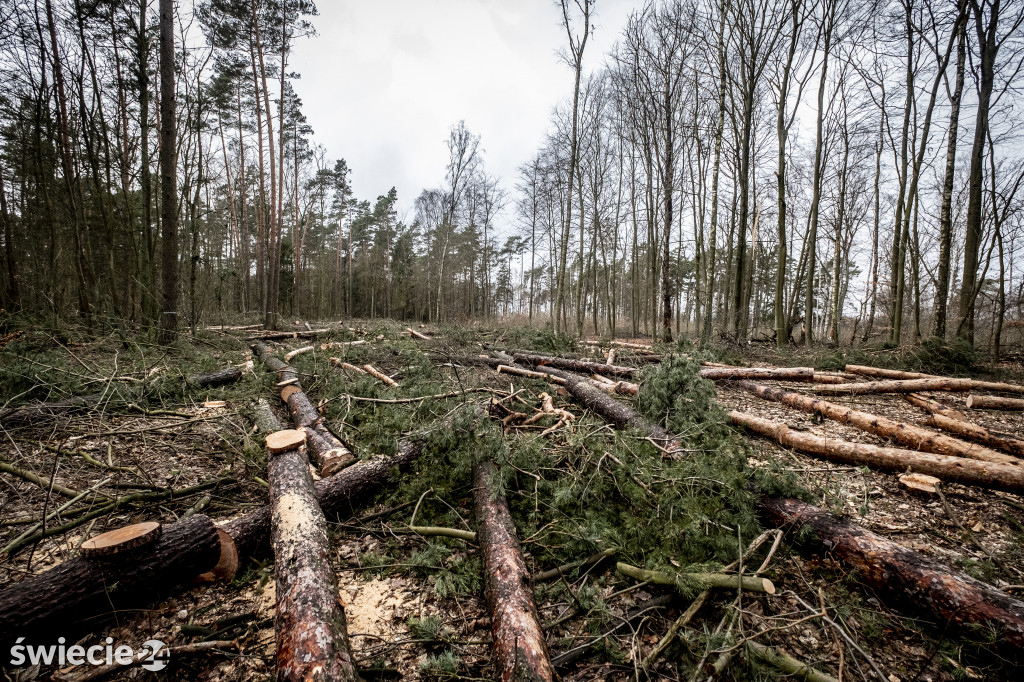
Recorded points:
(383, 82)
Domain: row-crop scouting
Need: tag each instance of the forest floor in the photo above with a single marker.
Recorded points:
(415, 605)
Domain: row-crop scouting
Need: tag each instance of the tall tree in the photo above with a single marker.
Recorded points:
(168, 176)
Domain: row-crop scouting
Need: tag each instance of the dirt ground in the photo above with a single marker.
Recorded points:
(404, 625)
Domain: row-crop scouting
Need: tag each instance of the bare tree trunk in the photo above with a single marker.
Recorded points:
(946, 213)
(12, 295)
(168, 176)
(988, 45)
(812, 236)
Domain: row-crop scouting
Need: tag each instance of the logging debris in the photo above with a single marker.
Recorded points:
(598, 486)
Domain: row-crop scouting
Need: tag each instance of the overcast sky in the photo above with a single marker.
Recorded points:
(383, 82)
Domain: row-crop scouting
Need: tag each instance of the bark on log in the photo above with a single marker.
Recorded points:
(327, 452)
(899, 386)
(867, 371)
(634, 346)
(228, 375)
(520, 371)
(474, 360)
(520, 650)
(978, 434)
(900, 432)
(911, 578)
(618, 413)
(30, 413)
(934, 407)
(780, 374)
(312, 641)
(379, 375)
(953, 469)
(992, 402)
(277, 336)
(720, 580)
(916, 376)
(263, 417)
(342, 344)
(292, 354)
(338, 362)
(573, 365)
(85, 588)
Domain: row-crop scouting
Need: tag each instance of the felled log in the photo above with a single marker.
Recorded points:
(634, 346)
(523, 372)
(910, 578)
(338, 362)
(82, 588)
(900, 432)
(992, 402)
(953, 469)
(342, 344)
(614, 387)
(934, 407)
(867, 371)
(779, 374)
(978, 434)
(898, 386)
(277, 336)
(379, 375)
(619, 413)
(231, 328)
(30, 413)
(327, 452)
(251, 531)
(721, 580)
(913, 382)
(583, 366)
(474, 360)
(520, 650)
(312, 642)
(228, 375)
(416, 334)
(262, 417)
(292, 354)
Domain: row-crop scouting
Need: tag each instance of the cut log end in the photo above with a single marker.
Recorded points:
(227, 564)
(283, 441)
(121, 540)
(991, 402)
(289, 390)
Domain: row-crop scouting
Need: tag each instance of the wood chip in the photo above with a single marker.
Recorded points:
(920, 483)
